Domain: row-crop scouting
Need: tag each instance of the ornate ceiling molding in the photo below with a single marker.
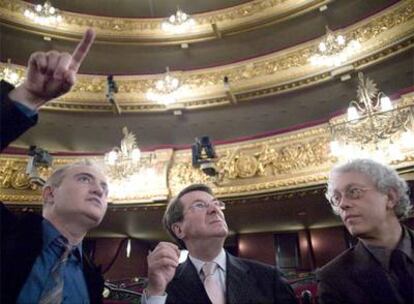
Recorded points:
(281, 164)
(386, 34)
(239, 18)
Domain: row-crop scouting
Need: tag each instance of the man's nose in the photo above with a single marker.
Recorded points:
(97, 189)
(344, 202)
(212, 208)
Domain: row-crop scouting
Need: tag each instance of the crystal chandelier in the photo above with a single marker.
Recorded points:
(334, 50)
(10, 74)
(44, 14)
(373, 128)
(123, 161)
(166, 90)
(178, 23)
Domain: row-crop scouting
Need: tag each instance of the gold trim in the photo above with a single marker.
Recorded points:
(239, 18)
(280, 164)
(388, 33)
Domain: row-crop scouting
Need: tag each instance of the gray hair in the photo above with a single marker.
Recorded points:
(384, 178)
(174, 212)
(56, 179)
(58, 175)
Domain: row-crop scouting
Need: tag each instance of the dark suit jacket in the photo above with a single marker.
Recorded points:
(356, 277)
(13, 122)
(247, 282)
(21, 244)
(21, 238)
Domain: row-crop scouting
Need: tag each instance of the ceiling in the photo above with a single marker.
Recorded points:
(68, 131)
(239, 43)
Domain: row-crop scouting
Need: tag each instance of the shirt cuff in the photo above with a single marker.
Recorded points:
(146, 299)
(25, 110)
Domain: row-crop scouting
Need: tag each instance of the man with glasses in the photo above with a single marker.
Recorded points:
(196, 221)
(371, 199)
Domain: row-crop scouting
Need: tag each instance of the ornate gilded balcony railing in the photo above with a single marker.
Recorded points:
(291, 161)
(385, 34)
(149, 30)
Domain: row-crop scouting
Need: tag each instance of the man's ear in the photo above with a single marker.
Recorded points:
(392, 198)
(178, 232)
(48, 195)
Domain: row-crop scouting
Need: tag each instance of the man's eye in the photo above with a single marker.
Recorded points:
(84, 179)
(199, 205)
(354, 191)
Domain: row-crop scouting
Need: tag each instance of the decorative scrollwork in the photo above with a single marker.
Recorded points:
(13, 176)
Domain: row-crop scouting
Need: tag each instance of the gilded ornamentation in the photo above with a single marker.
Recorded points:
(182, 174)
(279, 162)
(13, 175)
(273, 161)
(285, 162)
(383, 35)
(149, 29)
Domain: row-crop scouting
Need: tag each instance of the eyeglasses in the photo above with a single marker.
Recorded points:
(201, 205)
(352, 193)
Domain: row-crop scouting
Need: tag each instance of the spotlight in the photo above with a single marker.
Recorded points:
(37, 158)
(112, 89)
(204, 155)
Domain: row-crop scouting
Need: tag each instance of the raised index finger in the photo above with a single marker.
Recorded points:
(82, 50)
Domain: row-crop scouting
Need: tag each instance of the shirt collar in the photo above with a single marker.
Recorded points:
(220, 259)
(50, 234)
(405, 245)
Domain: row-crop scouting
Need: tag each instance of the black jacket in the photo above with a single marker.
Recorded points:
(355, 277)
(247, 282)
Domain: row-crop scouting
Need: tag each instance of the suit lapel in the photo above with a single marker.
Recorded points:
(371, 277)
(94, 280)
(411, 234)
(188, 285)
(238, 281)
(23, 244)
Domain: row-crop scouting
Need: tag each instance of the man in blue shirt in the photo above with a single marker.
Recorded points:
(41, 256)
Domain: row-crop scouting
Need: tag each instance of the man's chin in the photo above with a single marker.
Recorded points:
(92, 219)
(355, 231)
(224, 232)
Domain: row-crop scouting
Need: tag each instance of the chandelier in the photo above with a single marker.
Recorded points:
(123, 161)
(373, 128)
(178, 23)
(10, 74)
(44, 14)
(334, 50)
(166, 90)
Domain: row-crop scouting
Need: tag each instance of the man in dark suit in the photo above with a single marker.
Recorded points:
(210, 274)
(371, 199)
(41, 256)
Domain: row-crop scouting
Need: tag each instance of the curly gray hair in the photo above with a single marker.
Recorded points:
(384, 179)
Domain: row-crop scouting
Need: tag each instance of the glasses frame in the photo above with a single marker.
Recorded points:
(349, 195)
(202, 205)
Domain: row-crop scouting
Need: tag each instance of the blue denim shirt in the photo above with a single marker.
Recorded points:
(74, 286)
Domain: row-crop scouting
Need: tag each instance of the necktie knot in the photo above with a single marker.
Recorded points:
(65, 249)
(209, 269)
